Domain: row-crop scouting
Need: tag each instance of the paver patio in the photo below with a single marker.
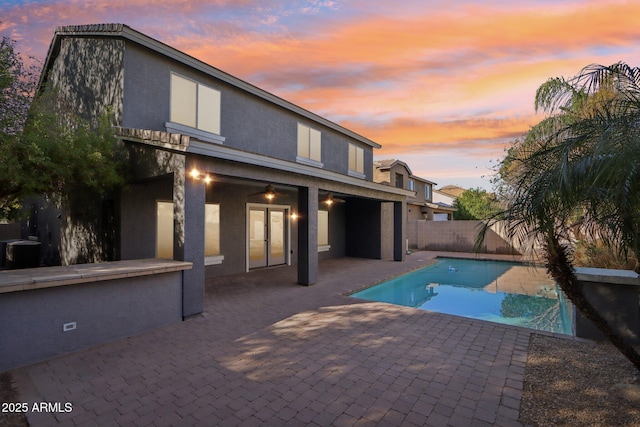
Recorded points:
(270, 352)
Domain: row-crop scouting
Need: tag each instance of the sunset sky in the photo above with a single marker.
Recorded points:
(443, 85)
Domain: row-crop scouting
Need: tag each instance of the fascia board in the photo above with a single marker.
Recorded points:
(226, 153)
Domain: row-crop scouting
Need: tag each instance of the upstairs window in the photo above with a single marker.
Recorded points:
(412, 185)
(399, 180)
(195, 105)
(356, 160)
(309, 145)
(427, 192)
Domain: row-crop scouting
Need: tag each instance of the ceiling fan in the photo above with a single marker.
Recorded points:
(269, 193)
(329, 199)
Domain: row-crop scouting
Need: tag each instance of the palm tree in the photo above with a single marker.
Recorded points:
(578, 170)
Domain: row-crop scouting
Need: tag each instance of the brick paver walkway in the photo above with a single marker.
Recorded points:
(268, 352)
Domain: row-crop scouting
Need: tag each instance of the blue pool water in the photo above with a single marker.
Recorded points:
(503, 292)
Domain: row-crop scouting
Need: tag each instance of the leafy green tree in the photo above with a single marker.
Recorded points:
(17, 86)
(475, 203)
(45, 148)
(578, 172)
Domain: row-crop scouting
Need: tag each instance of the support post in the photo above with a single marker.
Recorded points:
(399, 232)
(189, 200)
(307, 235)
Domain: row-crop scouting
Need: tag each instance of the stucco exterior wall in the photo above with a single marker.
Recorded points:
(363, 227)
(617, 303)
(399, 169)
(103, 312)
(414, 212)
(337, 232)
(139, 216)
(247, 122)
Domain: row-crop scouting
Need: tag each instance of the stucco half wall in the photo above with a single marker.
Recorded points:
(49, 311)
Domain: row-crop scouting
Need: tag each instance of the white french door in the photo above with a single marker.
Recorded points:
(267, 235)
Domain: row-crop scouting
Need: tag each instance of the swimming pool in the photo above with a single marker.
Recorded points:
(503, 292)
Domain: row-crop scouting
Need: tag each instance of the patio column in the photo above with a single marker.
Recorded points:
(307, 235)
(399, 231)
(189, 200)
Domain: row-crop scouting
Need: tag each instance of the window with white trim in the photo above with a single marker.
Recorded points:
(323, 231)
(211, 229)
(427, 192)
(412, 185)
(195, 105)
(356, 159)
(164, 230)
(212, 234)
(309, 145)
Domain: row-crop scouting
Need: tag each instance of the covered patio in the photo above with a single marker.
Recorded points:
(264, 212)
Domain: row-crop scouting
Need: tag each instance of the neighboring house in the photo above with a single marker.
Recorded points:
(420, 206)
(446, 202)
(226, 175)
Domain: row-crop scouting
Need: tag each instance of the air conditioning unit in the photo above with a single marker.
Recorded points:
(22, 254)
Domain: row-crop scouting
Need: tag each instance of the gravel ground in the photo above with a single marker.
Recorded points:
(9, 394)
(578, 383)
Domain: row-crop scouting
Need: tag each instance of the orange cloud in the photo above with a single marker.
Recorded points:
(429, 64)
(380, 40)
(410, 135)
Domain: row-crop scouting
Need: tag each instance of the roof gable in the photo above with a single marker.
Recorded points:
(389, 163)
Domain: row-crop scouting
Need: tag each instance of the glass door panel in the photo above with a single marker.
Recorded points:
(276, 237)
(267, 235)
(257, 238)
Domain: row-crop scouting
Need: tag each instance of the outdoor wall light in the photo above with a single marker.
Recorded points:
(197, 175)
(294, 216)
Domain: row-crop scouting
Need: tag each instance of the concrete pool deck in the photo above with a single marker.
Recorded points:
(270, 352)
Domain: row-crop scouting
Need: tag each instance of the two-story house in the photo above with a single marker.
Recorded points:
(226, 175)
(446, 201)
(420, 205)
